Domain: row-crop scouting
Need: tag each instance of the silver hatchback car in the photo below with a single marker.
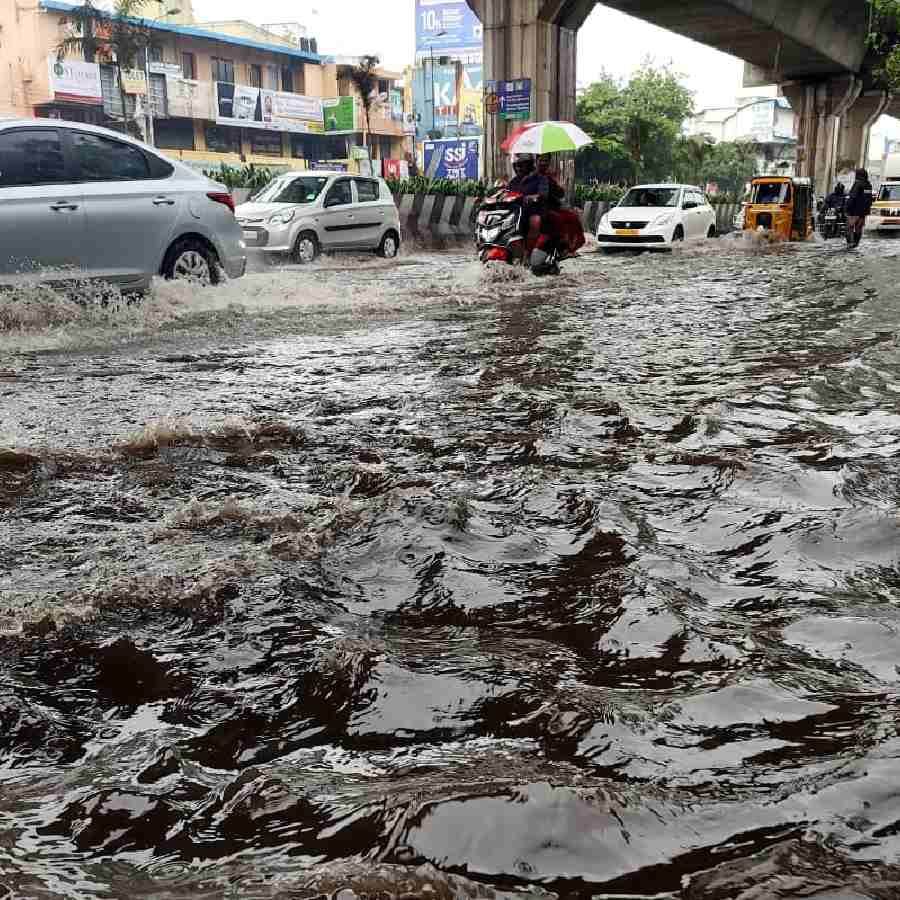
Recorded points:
(305, 213)
(77, 200)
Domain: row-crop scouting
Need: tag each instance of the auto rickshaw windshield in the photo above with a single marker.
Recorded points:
(771, 192)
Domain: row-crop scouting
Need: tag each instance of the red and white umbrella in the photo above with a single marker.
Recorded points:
(546, 137)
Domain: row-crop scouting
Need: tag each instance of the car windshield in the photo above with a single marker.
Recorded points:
(771, 192)
(291, 190)
(890, 193)
(651, 197)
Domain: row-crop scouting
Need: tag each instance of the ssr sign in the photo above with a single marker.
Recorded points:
(455, 159)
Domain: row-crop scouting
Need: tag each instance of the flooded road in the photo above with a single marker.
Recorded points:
(407, 579)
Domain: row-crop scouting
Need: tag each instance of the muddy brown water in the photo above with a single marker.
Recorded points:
(413, 580)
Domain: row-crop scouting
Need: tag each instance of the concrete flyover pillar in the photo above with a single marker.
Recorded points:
(856, 127)
(533, 39)
(820, 107)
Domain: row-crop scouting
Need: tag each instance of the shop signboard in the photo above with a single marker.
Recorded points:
(454, 159)
(448, 27)
(187, 99)
(134, 81)
(324, 165)
(513, 98)
(164, 68)
(74, 81)
(250, 107)
(339, 114)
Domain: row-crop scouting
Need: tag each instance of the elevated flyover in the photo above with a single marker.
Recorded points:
(814, 49)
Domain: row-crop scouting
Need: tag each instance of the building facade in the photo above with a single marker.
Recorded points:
(768, 122)
(224, 92)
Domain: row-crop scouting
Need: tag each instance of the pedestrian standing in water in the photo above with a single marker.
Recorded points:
(859, 205)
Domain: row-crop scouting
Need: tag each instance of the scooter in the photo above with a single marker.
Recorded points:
(499, 236)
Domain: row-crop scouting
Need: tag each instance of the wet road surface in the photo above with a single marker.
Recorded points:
(414, 579)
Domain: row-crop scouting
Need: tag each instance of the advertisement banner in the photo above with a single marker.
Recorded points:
(339, 114)
(446, 96)
(75, 82)
(250, 107)
(448, 27)
(134, 81)
(457, 160)
(471, 109)
(397, 104)
(392, 168)
(189, 99)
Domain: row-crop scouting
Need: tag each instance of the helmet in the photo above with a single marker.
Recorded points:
(523, 163)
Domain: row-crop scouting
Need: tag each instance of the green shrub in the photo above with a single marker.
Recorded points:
(252, 177)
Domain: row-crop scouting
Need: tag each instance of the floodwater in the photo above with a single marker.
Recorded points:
(410, 579)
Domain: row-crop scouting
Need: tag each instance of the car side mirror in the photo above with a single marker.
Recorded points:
(332, 201)
(688, 204)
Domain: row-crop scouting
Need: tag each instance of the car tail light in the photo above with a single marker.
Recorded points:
(226, 199)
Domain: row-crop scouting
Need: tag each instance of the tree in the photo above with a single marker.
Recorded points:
(635, 125)
(365, 79)
(691, 157)
(120, 35)
(730, 165)
(884, 41)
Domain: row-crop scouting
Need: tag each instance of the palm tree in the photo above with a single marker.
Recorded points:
(694, 154)
(365, 79)
(93, 32)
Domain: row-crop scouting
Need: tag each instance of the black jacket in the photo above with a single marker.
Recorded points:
(860, 199)
(835, 200)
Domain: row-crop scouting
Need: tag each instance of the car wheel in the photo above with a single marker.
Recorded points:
(192, 260)
(306, 248)
(711, 233)
(678, 234)
(389, 246)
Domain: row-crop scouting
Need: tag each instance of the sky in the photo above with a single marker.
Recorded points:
(609, 40)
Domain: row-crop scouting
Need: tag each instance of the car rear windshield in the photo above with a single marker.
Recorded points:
(291, 190)
(890, 193)
(771, 192)
(651, 197)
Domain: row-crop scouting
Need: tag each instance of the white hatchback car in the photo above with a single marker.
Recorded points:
(656, 216)
(305, 213)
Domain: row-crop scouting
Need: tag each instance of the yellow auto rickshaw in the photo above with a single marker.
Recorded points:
(784, 207)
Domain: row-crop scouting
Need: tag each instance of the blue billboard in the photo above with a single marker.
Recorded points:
(447, 27)
(457, 160)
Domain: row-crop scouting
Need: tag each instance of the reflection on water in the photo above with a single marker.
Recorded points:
(427, 581)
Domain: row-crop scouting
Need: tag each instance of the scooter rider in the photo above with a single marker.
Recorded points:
(837, 198)
(535, 187)
(566, 222)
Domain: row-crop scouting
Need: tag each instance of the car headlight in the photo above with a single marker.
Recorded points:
(604, 222)
(664, 219)
(282, 218)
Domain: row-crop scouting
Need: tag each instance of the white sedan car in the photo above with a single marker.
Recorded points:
(656, 216)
